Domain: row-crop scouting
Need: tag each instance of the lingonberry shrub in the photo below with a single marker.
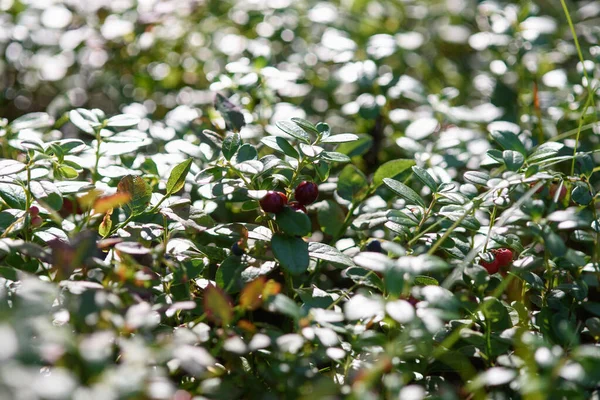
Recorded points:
(161, 240)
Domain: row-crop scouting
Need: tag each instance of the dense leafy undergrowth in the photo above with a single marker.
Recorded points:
(447, 247)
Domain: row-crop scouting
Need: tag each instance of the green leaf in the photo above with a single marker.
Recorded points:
(228, 276)
(231, 144)
(293, 130)
(342, 138)
(123, 120)
(9, 167)
(496, 314)
(544, 151)
(306, 125)
(391, 169)
(291, 252)
(477, 177)
(581, 194)
(280, 144)
(456, 212)
(334, 156)
(285, 305)
(246, 152)
(424, 177)
(513, 160)
(139, 191)
(404, 191)
(323, 128)
(67, 172)
(423, 280)
(585, 164)
(322, 168)
(394, 282)
(365, 277)
(357, 147)
(72, 187)
(593, 308)
(47, 192)
(325, 252)
(554, 243)
(84, 120)
(233, 116)
(67, 146)
(509, 141)
(177, 178)
(217, 305)
(352, 183)
(294, 223)
(331, 217)
(13, 195)
(36, 120)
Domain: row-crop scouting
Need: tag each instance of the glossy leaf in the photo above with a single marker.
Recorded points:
(291, 252)
(404, 191)
(177, 178)
(139, 192)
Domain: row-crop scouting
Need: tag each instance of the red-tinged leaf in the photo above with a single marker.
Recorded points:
(251, 296)
(271, 288)
(105, 225)
(139, 191)
(217, 305)
(106, 203)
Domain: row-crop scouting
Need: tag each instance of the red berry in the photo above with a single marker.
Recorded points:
(307, 192)
(491, 267)
(33, 211)
(294, 205)
(70, 207)
(36, 220)
(504, 257)
(412, 300)
(273, 202)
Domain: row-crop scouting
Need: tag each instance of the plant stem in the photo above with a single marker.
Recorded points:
(121, 225)
(581, 118)
(577, 46)
(96, 175)
(441, 240)
(590, 97)
(492, 219)
(348, 218)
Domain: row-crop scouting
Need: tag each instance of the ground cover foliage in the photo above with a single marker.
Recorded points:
(160, 236)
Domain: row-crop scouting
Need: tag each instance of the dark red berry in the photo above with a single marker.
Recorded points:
(237, 250)
(273, 202)
(412, 300)
(294, 205)
(70, 207)
(374, 246)
(307, 192)
(491, 267)
(36, 220)
(504, 257)
(33, 211)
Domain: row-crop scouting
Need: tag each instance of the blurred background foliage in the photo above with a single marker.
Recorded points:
(364, 66)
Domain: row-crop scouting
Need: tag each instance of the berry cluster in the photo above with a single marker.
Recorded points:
(34, 212)
(305, 193)
(502, 258)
